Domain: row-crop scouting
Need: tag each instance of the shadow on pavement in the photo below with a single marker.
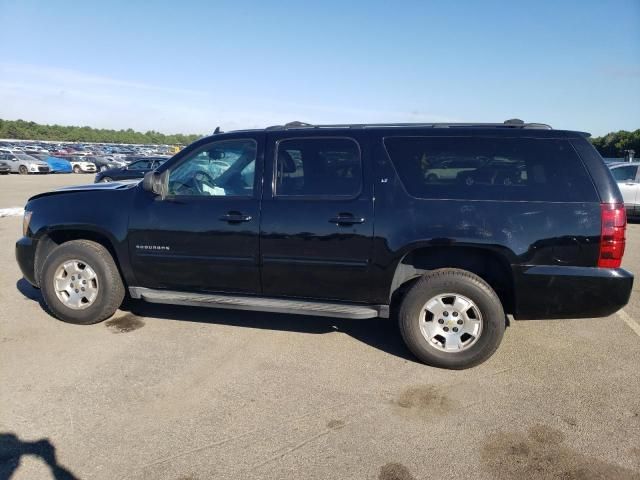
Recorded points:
(380, 333)
(12, 449)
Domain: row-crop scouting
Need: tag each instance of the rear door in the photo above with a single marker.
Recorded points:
(627, 178)
(317, 217)
(12, 161)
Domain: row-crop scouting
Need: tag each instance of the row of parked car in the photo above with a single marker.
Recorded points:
(107, 169)
(126, 161)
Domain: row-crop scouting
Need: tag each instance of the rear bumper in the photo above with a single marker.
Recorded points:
(26, 255)
(546, 292)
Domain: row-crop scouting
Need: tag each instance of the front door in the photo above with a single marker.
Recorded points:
(203, 236)
(317, 218)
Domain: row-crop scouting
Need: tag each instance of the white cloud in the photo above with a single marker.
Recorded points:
(69, 97)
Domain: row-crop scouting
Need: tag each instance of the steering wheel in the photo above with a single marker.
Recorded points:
(201, 178)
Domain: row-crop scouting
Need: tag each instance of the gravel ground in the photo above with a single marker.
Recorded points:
(187, 393)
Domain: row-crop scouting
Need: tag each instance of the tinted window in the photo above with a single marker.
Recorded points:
(224, 168)
(484, 168)
(318, 166)
(624, 173)
(141, 165)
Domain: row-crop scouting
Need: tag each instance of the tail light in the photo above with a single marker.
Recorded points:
(612, 240)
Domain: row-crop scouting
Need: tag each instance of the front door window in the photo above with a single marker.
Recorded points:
(224, 168)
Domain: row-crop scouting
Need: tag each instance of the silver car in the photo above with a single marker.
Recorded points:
(628, 179)
(24, 164)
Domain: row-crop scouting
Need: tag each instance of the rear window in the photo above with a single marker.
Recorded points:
(626, 173)
(487, 168)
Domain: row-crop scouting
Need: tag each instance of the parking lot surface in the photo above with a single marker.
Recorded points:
(186, 393)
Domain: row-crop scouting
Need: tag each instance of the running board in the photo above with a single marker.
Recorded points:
(276, 305)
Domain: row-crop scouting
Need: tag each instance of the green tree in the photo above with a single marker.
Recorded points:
(614, 144)
(23, 130)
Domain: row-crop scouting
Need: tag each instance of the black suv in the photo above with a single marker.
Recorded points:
(446, 227)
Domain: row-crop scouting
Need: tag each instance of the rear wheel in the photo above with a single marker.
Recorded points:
(80, 283)
(23, 170)
(452, 319)
(106, 180)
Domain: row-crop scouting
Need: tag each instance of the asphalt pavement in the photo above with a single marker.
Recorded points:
(187, 393)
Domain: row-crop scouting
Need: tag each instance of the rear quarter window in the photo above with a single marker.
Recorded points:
(488, 168)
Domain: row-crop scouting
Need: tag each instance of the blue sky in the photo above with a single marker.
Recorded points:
(190, 66)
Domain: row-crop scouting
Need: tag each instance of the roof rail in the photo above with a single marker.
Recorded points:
(511, 123)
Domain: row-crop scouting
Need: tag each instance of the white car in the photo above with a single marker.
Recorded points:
(628, 179)
(80, 166)
(24, 164)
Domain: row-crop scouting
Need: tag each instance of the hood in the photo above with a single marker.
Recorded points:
(122, 185)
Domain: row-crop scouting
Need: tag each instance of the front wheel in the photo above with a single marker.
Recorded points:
(80, 283)
(106, 180)
(452, 319)
(77, 169)
(23, 170)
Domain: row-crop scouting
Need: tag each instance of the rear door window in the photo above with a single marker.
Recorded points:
(140, 165)
(488, 168)
(318, 167)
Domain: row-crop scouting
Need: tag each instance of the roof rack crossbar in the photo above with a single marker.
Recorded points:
(507, 124)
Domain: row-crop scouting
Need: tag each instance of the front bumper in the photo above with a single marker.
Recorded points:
(546, 292)
(26, 256)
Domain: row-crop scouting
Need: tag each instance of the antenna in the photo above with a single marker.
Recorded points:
(217, 130)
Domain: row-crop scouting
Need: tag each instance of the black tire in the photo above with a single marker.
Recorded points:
(111, 289)
(76, 169)
(23, 170)
(106, 180)
(460, 282)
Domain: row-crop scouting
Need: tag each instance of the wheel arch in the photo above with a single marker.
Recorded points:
(489, 264)
(50, 239)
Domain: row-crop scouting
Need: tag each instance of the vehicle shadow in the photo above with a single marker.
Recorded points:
(12, 449)
(380, 333)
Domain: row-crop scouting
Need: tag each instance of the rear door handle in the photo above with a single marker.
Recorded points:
(346, 219)
(235, 217)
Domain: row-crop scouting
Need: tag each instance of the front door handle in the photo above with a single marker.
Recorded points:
(346, 219)
(235, 217)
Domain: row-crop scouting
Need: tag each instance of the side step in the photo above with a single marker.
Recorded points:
(276, 305)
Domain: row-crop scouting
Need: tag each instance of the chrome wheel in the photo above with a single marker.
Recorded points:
(76, 284)
(451, 322)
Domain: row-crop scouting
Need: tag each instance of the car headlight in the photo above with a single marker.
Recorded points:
(26, 220)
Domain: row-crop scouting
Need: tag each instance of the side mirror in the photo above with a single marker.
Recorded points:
(154, 182)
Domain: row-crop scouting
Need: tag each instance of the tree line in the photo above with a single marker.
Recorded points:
(23, 130)
(612, 144)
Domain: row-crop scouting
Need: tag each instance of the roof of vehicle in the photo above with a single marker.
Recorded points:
(509, 125)
(622, 164)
